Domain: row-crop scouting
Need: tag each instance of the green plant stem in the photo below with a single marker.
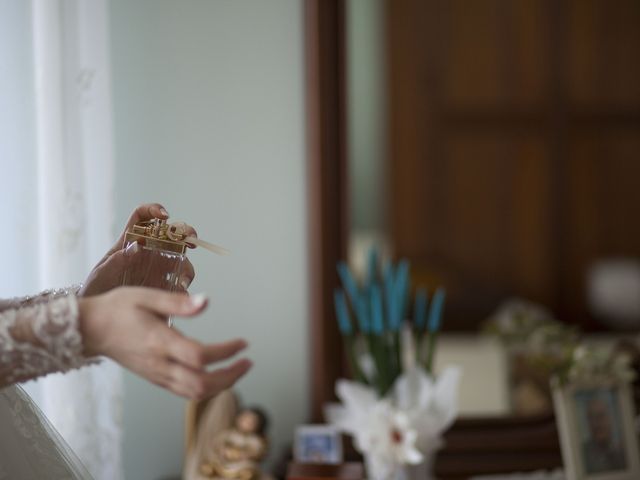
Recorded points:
(431, 347)
(356, 371)
(397, 356)
(380, 357)
(417, 345)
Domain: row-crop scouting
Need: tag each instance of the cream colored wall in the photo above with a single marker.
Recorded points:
(209, 120)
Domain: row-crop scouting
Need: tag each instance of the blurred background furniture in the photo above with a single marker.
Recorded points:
(474, 446)
(504, 164)
(510, 140)
(306, 471)
(483, 446)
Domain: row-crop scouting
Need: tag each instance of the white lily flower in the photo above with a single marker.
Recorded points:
(388, 441)
(401, 428)
(431, 406)
(357, 401)
(388, 435)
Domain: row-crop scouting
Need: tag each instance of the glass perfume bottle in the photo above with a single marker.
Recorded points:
(160, 256)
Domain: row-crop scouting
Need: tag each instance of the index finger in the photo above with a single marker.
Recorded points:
(147, 211)
(142, 213)
(196, 355)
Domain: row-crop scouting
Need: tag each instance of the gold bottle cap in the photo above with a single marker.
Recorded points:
(153, 234)
(171, 237)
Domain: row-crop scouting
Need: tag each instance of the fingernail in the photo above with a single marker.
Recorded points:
(198, 300)
(164, 212)
(185, 282)
(131, 249)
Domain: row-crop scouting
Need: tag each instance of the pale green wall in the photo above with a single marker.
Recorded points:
(209, 119)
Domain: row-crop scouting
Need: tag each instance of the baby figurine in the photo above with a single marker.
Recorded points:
(237, 451)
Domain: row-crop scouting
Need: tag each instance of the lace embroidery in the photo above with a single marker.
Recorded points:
(40, 336)
(42, 297)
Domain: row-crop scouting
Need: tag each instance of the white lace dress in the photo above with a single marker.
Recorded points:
(38, 335)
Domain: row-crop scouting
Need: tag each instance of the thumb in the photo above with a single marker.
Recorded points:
(120, 259)
(165, 304)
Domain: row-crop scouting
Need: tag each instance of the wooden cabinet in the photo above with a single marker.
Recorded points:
(514, 147)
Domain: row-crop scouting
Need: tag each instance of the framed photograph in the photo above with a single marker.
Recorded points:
(596, 424)
(318, 444)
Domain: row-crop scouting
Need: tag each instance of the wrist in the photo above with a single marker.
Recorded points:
(89, 325)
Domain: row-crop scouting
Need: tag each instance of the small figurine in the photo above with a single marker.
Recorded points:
(237, 451)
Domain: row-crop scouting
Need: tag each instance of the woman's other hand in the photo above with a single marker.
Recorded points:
(107, 274)
(129, 325)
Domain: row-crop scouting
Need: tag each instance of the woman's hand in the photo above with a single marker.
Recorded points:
(107, 274)
(128, 325)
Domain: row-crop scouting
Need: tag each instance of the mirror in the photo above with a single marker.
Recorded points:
(367, 126)
(495, 144)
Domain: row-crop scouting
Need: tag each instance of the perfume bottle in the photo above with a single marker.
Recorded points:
(160, 256)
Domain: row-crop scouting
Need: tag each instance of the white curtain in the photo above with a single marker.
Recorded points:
(75, 205)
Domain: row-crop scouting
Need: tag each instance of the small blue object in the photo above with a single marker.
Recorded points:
(342, 312)
(420, 309)
(401, 294)
(377, 326)
(435, 313)
(372, 269)
(389, 294)
(350, 285)
(362, 313)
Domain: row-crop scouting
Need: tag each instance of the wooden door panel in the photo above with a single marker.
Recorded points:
(515, 147)
(484, 231)
(465, 24)
(620, 208)
(495, 199)
(601, 212)
(603, 194)
(532, 258)
(603, 47)
(502, 45)
(482, 174)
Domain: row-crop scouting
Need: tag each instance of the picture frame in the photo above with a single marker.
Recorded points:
(597, 430)
(318, 444)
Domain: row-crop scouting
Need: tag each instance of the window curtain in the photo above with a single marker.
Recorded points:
(74, 165)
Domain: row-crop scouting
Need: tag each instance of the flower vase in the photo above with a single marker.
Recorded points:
(421, 471)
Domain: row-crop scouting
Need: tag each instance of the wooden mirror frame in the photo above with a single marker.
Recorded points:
(324, 32)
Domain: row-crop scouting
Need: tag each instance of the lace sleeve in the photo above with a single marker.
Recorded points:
(40, 335)
(39, 298)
